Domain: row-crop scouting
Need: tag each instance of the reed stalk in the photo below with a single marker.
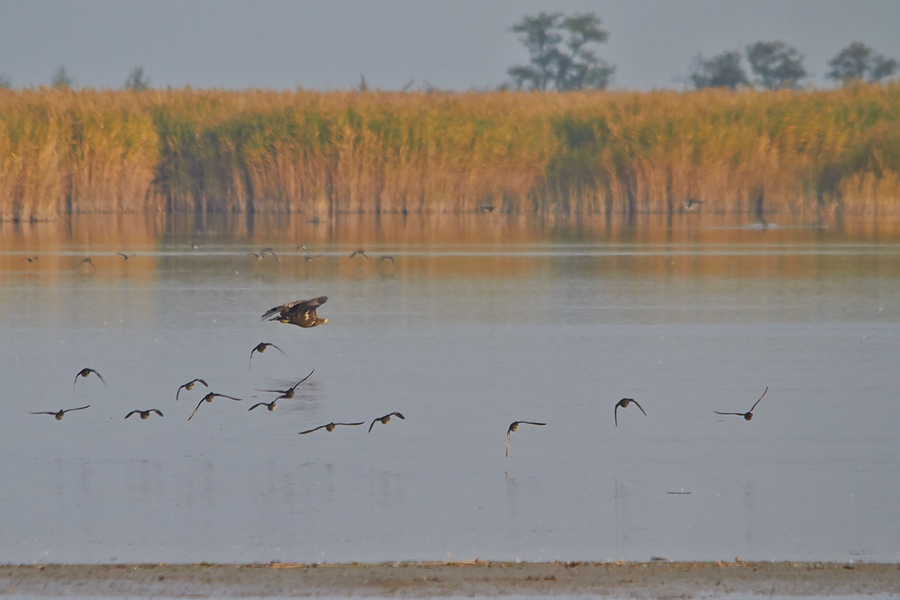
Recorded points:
(324, 154)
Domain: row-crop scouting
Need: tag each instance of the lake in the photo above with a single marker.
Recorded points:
(476, 322)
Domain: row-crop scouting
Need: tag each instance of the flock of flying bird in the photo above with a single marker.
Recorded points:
(303, 314)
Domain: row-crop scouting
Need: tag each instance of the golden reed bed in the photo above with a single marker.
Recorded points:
(475, 578)
(211, 151)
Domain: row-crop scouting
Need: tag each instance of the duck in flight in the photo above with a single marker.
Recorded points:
(209, 398)
(189, 386)
(299, 312)
(514, 426)
(331, 426)
(690, 204)
(623, 403)
(59, 414)
(88, 261)
(288, 393)
(269, 405)
(360, 252)
(125, 256)
(747, 415)
(31, 258)
(261, 347)
(84, 373)
(263, 252)
(145, 414)
(386, 419)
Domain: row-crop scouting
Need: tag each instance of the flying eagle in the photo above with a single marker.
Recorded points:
(299, 312)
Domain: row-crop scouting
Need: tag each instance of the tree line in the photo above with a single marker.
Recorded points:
(564, 57)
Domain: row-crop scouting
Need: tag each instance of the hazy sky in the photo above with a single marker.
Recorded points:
(327, 44)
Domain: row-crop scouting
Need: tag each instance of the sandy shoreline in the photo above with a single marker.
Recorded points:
(478, 578)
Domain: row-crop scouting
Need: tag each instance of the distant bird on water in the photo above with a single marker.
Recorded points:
(623, 403)
(389, 259)
(386, 419)
(288, 393)
(59, 414)
(209, 398)
(360, 252)
(84, 373)
(331, 426)
(514, 426)
(189, 386)
(489, 208)
(747, 415)
(261, 347)
(144, 413)
(299, 312)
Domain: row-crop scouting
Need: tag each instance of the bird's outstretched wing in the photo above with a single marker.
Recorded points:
(295, 308)
(736, 414)
(258, 404)
(352, 424)
(314, 429)
(134, 412)
(639, 406)
(196, 409)
(760, 398)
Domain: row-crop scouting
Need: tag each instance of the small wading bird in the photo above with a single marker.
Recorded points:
(514, 426)
(261, 347)
(623, 403)
(125, 256)
(88, 261)
(299, 312)
(360, 252)
(286, 394)
(209, 398)
(189, 386)
(144, 413)
(331, 426)
(747, 415)
(386, 419)
(59, 414)
(84, 373)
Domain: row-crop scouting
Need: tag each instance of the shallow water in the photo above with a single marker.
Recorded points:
(476, 324)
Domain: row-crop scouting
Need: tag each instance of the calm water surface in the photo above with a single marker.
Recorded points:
(477, 323)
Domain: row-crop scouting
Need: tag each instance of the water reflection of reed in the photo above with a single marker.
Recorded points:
(489, 245)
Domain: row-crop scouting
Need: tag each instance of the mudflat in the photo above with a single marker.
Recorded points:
(478, 578)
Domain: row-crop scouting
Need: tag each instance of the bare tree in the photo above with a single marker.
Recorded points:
(776, 64)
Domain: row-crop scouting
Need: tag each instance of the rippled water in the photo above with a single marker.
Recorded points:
(475, 324)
